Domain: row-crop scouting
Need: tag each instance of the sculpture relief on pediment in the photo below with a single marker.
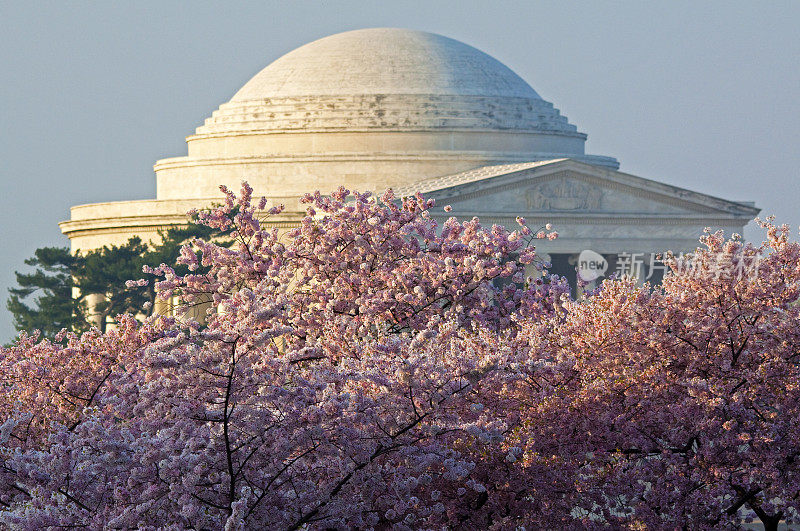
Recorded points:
(563, 194)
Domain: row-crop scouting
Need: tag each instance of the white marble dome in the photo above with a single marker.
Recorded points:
(370, 109)
(378, 108)
(387, 78)
(385, 61)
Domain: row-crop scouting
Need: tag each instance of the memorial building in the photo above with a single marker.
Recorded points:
(382, 108)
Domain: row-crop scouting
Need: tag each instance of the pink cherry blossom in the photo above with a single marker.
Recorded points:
(373, 369)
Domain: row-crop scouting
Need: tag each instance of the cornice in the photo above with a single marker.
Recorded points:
(379, 130)
(539, 218)
(481, 156)
(111, 224)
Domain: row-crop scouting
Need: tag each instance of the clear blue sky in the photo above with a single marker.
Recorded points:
(702, 95)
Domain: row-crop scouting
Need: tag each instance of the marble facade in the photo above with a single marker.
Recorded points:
(379, 108)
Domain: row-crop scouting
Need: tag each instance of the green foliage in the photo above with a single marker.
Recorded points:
(104, 272)
(44, 299)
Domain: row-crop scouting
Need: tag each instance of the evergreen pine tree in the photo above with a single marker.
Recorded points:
(44, 299)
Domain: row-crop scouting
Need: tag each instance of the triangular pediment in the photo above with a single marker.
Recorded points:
(567, 187)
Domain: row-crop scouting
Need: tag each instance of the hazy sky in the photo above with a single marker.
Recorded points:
(702, 95)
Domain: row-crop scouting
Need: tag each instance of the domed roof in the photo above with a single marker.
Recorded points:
(371, 109)
(385, 61)
(387, 79)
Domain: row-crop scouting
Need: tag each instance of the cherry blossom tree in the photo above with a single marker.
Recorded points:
(678, 406)
(338, 382)
(371, 369)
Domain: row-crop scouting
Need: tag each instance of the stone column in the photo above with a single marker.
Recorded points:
(531, 271)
